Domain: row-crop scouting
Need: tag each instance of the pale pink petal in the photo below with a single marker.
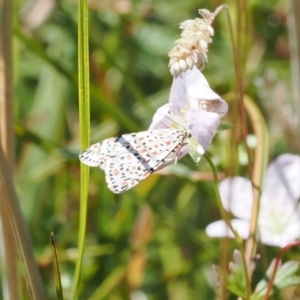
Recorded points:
(279, 217)
(284, 172)
(191, 83)
(292, 231)
(178, 94)
(191, 87)
(219, 229)
(279, 222)
(236, 194)
(277, 212)
(161, 119)
(138, 295)
(202, 125)
(168, 116)
(280, 239)
(218, 105)
(193, 106)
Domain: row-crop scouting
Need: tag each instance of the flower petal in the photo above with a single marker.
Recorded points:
(178, 94)
(168, 116)
(279, 222)
(202, 125)
(284, 172)
(280, 239)
(161, 119)
(192, 86)
(219, 229)
(193, 106)
(237, 196)
(138, 295)
(218, 106)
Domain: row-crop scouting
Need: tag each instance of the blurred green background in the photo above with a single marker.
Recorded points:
(151, 238)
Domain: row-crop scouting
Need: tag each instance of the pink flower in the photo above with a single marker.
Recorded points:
(279, 216)
(195, 107)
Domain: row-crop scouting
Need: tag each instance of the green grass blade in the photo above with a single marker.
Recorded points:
(84, 122)
(10, 206)
(59, 291)
(259, 169)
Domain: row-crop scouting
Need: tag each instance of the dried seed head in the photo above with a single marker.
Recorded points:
(191, 48)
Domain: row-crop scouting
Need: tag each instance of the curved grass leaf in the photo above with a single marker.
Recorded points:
(59, 290)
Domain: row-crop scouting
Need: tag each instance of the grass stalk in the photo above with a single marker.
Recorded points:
(294, 43)
(84, 123)
(58, 285)
(240, 92)
(10, 205)
(7, 240)
(259, 168)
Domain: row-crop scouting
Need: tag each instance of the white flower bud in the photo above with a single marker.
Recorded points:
(190, 50)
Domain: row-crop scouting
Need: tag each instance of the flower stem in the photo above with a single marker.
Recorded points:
(278, 259)
(225, 216)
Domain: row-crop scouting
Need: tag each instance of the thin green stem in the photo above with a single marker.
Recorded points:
(84, 123)
(259, 168)
(225, 216)
(277, 263)
(239, 85)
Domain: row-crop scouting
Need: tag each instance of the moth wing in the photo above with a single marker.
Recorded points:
(127, 170)
(147, 143)
(98, 154)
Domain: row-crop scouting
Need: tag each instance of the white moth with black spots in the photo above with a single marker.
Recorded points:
(130, 158)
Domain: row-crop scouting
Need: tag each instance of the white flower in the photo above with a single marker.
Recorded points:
(138, 295)
(192, 106)
(191, 48)
(279, 215)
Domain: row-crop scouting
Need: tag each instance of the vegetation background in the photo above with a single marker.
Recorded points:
(150, 241)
